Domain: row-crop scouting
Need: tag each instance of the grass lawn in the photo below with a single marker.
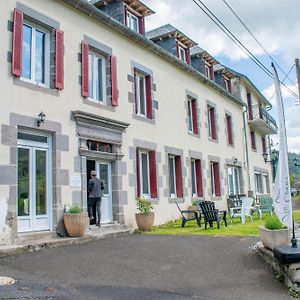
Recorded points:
(235, 228)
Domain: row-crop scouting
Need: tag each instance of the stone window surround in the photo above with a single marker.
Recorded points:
(214, 105)
(211, 158)
(226, 112)
(131, 95)
(50, 24)
(148, 146)
(89, 126)
(60, 176)
(199, 156)
(175, 152)
(105, 51)
(192, 96)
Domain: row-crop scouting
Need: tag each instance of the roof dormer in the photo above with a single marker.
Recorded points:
(172, 40)
(131, 13)
(223, 77)
(203, 62)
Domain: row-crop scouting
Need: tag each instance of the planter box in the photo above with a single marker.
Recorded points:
(144, 222)
(76, 224)
(274, 238)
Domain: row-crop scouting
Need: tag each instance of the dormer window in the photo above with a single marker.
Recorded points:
(209, 71)
(181, 53)
(132, 21)
(227, 84)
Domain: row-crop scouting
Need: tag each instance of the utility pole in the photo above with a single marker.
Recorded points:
(298, 78)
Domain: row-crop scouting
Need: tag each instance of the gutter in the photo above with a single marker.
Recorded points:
(96, 14)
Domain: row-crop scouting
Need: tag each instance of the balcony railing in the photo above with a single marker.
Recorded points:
(262, 121)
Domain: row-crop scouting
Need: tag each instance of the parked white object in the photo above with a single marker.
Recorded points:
(244, 210)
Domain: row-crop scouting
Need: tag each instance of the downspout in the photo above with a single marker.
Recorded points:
(246, 146)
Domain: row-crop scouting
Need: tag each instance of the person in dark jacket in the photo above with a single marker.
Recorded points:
(95, 190)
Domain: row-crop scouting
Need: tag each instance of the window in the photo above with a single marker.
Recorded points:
(192, 116)
(132, 21)
(229, 129)
(175, 176)
(234, 180)
(196, 172)
(258, 183)
(209, 73)
(250, 108)
(227, 85)
(211, 122)
(35, 54)
(181, 53)
(215, 179)
(146, 173)
(263, 145)
(97, 77)
(253, 140)
(267, 183)
(143, 95)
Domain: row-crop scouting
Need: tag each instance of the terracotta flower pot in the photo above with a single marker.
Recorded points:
(76, 224)
(273, 238)
(144, 221)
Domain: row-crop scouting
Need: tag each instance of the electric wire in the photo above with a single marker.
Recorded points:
(258, 42)
(219, 23)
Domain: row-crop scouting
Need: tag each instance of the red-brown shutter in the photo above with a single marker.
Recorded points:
(85, 69)
(217, 179)
(114, 81)
(229, 85)
(177, 49)
(142, 25)
(138, 181)
(253, 141)
(211, 72)
(213, 123)
(148, 97)
(199, 178)
(229, 129)
(194, 114)
(188, 56)
(178, 172)
(59, 59)
(17, 43)
(249, 103)
(153, 178)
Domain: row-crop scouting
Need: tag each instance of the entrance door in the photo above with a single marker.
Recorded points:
(104, 172)
(34, 197)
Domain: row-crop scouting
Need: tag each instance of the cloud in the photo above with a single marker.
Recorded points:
(274, 23)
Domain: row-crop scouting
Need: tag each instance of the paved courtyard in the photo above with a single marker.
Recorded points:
(144, 267)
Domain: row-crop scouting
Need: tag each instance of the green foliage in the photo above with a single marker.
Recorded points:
(194, 203)
(144, 206)
(273, 223)
(292, 180)
(74, 209)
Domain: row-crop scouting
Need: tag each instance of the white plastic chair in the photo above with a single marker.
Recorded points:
(244, 210)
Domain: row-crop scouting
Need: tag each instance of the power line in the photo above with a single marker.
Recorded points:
(258, 42)
(219, 23)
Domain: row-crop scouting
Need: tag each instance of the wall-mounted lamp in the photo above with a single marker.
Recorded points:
(266, 155)
(235, 161)
(41, 119)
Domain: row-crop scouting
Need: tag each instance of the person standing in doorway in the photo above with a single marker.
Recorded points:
(95, 190)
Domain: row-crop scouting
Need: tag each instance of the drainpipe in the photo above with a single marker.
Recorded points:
(246, 145)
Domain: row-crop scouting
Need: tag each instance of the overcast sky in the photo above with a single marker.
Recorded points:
(276, 24)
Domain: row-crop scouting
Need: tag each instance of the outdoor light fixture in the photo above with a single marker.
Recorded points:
(235, 161)
(296, 162)
(41, 119)
(265, 155)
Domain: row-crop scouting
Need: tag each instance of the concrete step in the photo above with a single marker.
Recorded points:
(107, 227)
(34, 236)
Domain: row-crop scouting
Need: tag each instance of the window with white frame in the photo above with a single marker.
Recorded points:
(132, 21)
(190, 115)
(234, 186)
(97, 77)
(267, 182)
(181, 53)
(194, 178)
(145, 174)
(172, 177)
(208, 71)
(141, 99)
(211, 122)
(36, 54)
(258, 183)
(227, 84)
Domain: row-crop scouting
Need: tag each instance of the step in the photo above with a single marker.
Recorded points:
(34, 236)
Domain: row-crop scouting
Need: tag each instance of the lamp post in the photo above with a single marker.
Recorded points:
(273, 160)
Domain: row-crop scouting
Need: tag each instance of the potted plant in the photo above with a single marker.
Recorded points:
(273, 233)
(76, 221)
(145, 217)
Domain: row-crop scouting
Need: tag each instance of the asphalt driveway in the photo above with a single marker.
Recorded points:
(144, 267)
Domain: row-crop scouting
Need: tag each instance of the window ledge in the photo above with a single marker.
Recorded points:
(35, 87)
(98, 104)
(230, 145)
(213, 140)
(143, 119)
(194, 134)
(178, 200)
(216, 198)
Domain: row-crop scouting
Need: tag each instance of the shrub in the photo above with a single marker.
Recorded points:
(144, 206)
(75, 209)
(273, 223)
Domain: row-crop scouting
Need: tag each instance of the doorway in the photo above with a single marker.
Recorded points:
(103, 169)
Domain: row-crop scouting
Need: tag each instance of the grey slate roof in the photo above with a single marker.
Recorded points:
(196, 50)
